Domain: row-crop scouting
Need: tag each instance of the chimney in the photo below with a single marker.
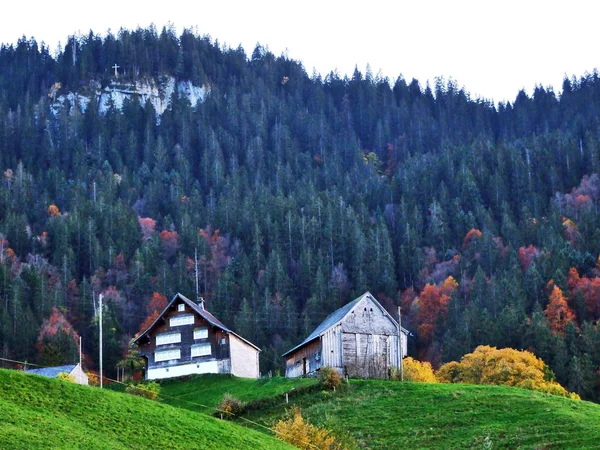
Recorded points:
(201, 302)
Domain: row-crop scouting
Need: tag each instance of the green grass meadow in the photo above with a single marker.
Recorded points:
(37, 412)
(378, 414)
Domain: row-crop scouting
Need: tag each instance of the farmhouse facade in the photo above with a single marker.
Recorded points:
(186, 339)
(74, 370)
(360, 339)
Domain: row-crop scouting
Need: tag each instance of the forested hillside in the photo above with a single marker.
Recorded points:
(298, 192)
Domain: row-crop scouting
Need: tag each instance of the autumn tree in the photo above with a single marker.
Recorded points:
(148, 226)
(558, 313)
(57, 342)
(53, 211)
(508, 367)
(414, 370)
(157, 303)
(170, 242)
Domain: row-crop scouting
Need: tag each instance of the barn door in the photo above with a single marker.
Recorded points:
(304, 367)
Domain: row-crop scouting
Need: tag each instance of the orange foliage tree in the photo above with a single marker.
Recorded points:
(433, 303)
(53, 211)
(558, 312)
(473, 234)
(170, 242)
(508, 367)
(157, 303)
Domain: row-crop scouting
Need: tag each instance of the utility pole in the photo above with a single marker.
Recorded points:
(400, 346)
(80, 366)
(196, 268)
(100, 298)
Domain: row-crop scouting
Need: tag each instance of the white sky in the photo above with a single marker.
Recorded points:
(492, 48)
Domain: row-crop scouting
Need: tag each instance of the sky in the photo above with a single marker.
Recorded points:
(493, 49)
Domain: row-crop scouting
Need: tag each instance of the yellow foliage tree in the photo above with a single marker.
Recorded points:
(303, 435)
(508, 367)
(415, 370)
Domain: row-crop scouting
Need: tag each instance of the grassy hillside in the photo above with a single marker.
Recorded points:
(37, 412)
(208, 390)
(383, 415)
(386, 415)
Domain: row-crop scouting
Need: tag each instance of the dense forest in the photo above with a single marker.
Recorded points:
(298, 192)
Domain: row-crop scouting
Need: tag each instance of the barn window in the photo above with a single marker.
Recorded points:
(166, 355)
(201, 333)
(168, 338)
(186, 319)
(317, 356)
(223, 340)
(181, 307)
(201, 349)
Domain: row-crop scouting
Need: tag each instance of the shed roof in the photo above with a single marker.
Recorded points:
(334, 318)
(52, 372)
(198, 310)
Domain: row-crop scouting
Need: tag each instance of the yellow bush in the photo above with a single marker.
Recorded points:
(64, 376)
(449, 372)
(303, 435)
(149, 390)
(418, 371)
(508, 367)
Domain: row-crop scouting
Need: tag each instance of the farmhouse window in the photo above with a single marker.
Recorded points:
(201, 349)
(168, 338)
(201, 333)
(166, 355)
(181, 307)
(186, 319)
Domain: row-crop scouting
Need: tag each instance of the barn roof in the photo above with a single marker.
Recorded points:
(198, 310)
(334, 318)
(52, 372)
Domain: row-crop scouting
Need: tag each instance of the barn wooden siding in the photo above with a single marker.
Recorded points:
(364, 343)
(305, 361)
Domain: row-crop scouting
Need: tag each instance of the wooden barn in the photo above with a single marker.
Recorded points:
(360, 339)
(186, 339)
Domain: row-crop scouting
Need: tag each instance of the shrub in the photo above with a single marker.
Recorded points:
(302, 434)
(149, 390)
(64, 376)
(93, 379)
(230, 406)
(414, 371)
(508, 367)
(448, 373)
(329, 378)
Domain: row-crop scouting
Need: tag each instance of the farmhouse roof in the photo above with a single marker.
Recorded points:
(335, 317)
(52, 372)
(198, 310)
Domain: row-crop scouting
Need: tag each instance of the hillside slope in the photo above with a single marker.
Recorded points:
(37, 412)
(209, 389)
(384, 415)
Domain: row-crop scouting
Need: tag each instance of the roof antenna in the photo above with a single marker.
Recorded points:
(199, 299)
